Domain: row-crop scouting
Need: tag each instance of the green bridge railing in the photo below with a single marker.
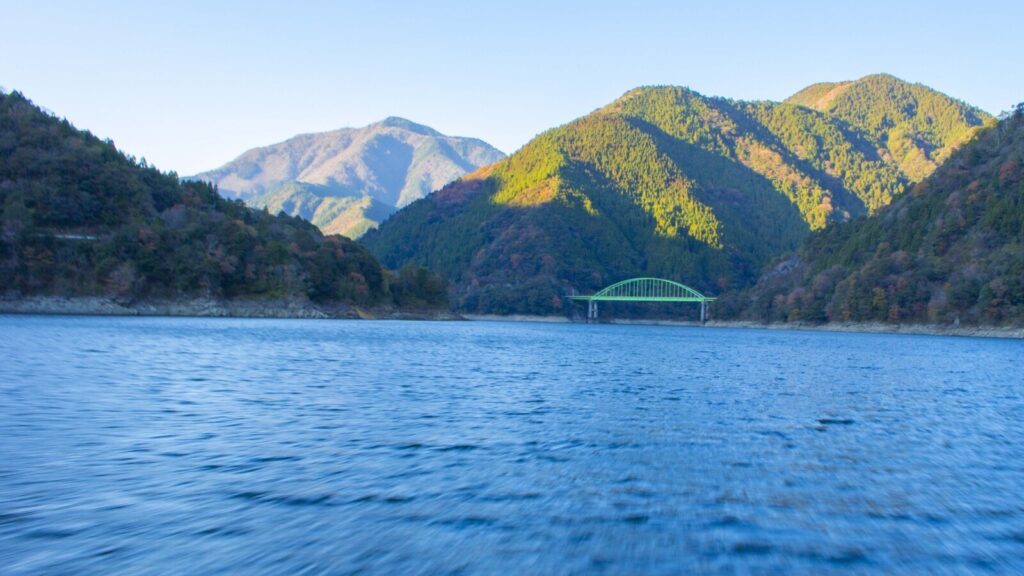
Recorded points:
(645, 290)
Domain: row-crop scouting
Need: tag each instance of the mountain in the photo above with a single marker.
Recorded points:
(664, 182)
(950, 251)
(917, 127)
(79, 218)
(349, 180)
(349, 216)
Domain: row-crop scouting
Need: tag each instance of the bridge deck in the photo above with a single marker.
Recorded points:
(642, 298)
(645, 290)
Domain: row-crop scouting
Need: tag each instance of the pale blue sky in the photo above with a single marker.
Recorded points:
(191, 84)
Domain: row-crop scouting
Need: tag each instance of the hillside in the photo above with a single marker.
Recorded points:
(664, 181)
(79, 218)
(349, 180)
(917, 127)
(349, 216)
(951, 251)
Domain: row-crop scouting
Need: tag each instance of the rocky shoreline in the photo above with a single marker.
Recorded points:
(210, 308)
(304, 309)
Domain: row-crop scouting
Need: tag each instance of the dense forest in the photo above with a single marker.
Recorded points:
(950, 251)
(78, 217)
(856, 197)
(663, 182)
(917, 126)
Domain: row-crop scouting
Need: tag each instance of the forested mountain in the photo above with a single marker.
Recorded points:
(663, 182)
(79, 218)
(349, 180)
(917, 127)
(949, 251)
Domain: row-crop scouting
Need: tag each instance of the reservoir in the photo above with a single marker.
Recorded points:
(174, 446)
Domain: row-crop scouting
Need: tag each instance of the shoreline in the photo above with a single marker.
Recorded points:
(855, 327)
(211, 308)
(304, 309)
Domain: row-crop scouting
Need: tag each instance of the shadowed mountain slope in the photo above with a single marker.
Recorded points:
(949, 251)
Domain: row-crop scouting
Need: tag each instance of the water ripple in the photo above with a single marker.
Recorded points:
(148, 445)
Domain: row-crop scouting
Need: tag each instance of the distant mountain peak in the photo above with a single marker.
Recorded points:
(821, 95)
(331, 177)
(918, 126)
(883, 76)
(405, 124)
(653, 89)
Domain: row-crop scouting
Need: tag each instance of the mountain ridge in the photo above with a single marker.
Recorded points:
(662, 181)
(949, 252)
(393, 161)
(914, 122)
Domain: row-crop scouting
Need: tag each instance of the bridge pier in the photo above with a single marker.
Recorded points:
(703, 311)
(591, 311)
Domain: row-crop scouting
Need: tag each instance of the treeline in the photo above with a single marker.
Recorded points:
(78, 217)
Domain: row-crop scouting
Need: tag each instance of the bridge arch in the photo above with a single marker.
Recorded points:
(646, 289)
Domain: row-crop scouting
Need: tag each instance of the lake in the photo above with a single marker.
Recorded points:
(204, 446)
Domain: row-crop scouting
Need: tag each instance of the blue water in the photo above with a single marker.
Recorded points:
(199, 446)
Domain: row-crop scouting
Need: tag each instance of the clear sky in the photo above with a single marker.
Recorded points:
(191, 84)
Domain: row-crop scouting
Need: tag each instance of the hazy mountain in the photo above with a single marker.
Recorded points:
(663, 182)
(346, 215)
(347, 181)
(78, 218)
(951, 250)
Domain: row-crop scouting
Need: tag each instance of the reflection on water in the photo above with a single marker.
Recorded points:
(263, 446)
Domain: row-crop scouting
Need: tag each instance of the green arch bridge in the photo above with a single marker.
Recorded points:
(645, 290)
